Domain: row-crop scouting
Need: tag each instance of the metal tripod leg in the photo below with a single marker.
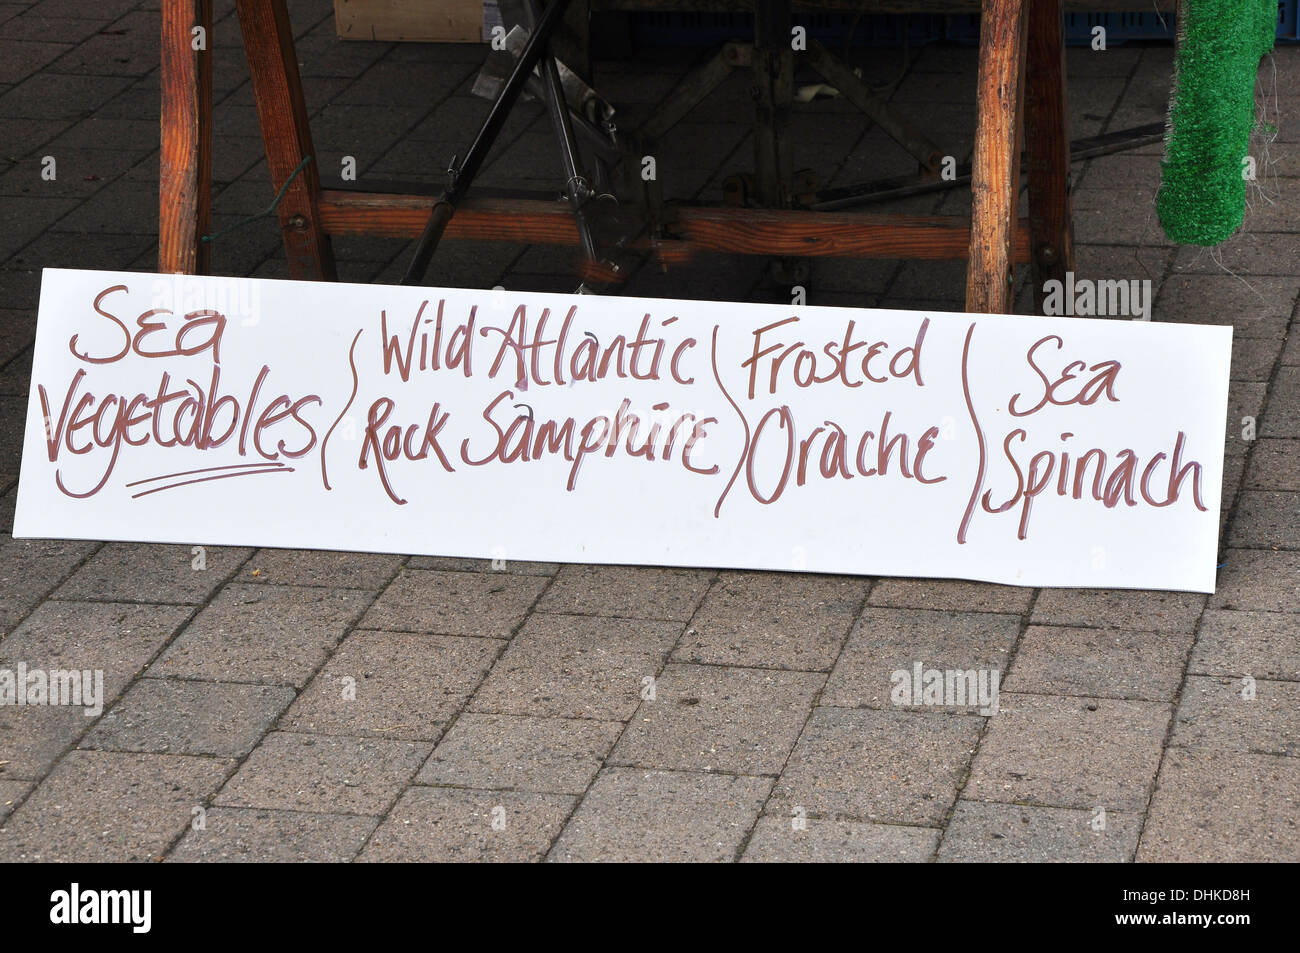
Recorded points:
(460, 179)
(576, 187)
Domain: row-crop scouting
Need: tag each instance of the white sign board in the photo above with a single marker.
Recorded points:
(518, 425)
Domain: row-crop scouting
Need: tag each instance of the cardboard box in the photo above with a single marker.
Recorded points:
(412, 21)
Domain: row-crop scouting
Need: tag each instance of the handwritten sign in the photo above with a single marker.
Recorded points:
(511, 425)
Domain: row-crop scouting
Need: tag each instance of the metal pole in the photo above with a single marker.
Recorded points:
(461, 178)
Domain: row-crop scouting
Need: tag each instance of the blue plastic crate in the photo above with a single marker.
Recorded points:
(708, 29)
(1288, 30)
(1120, 27)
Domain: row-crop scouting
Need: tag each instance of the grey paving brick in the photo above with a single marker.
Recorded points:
(22, 218)
(325, 56)
(953, 595)
(249, 835)
(392, 685)
(1275, 465)
(454, 603)
(1266, 519)
(1291, 353)
(19, 287)
(240, 251)
(520, 753)
(709, 276)
(15, 381)
(461, 564)
(865, 764)
(930, 279)
(877, 155)
(107, 140)
(164, 716)
(235, 157)
(30, 568)
(149, 572)
(1258, 579)
(1248, 254)
(775, 840)
(439, 825)
(119, 208)
(1123, 170)
(349, 129)
(576, 667)
(247, 196)
(706, 718)
(1253, 357)
(661, 816)
(20, 25)
(1245, 400)
(1261, 644)
(17, 331)
(1094, 99)
(932, 87)
(946, 59)
(1096, 261)
(629, 592)
(407, 84)
(324, 773)
(1234, 472)
(885, 641)
(81, 172)
(103, 12)
(980, 832)
(298, 567)
(1257, 307)
(111, 252)
(459, 117)
(32, 739)
(105, 806)
(269, 634)
(1221, 714)
(1070, 752)
(775, 620)
(1224, 806)
(23, 58)
(867, 275)
(129, 48)
(1107, 663)
(1119, 609)
(1118, 215)
(234, 117)
(1282, 419)
(117, 639)
(10, 793)
(26, 136)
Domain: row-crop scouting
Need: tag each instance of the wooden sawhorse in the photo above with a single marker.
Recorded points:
(1021, 84)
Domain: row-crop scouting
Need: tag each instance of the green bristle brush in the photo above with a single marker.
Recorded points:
(1202, 198)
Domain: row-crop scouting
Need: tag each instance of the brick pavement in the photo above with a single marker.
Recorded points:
(330, 706)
